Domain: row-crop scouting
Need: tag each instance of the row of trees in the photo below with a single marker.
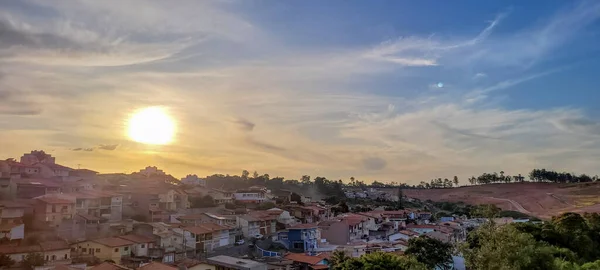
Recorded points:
(439, 183)
(543, 175)
(30, 261)
(536, 175)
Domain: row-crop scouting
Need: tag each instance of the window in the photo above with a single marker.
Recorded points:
(47, 258)
(97, 250)
(54, 209)
(126, 248)
(116, 249)
(84, 250)
(143, 246)
(66, 256)
(53, 257)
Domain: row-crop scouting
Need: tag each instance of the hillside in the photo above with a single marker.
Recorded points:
(538, 199)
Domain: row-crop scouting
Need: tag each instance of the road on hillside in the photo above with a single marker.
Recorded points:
(517, 205)
(561, 200)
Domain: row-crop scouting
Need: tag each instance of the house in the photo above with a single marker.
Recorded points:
(111, 248)
(53, 209)
(421, 229)
(182, 200)
(169, 239)
(267, 224)
(444, 237)
(403, 235)
(193, 180)
(303, 237)
(154, 203)
(98, 203)
(250, 196)
(193, 264)
(28, 188)
(46, 165)
(335, 231)
(54, 252)
(305, 215)
(209, 236)
(109, 266)
(231, 263)
(12, 231)
(307, 262)
(140, 245)
(284, 217)
(156, 266)
(12, 212)
(250, 225)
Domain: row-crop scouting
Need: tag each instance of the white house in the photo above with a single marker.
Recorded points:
(193, 180)
(142, 243)
(250, 196)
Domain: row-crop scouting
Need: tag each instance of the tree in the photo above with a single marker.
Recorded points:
(6, 261)
(455, 180)
(485, 211)
(431, 252)
(380, 261)
(504, 247)
(201, 202)
(32, 260)
(338, 257)
(245, 174)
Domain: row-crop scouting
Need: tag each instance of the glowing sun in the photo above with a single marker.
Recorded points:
(151, 125)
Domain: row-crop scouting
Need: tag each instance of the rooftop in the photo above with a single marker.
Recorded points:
(113, 242)
(54, 245)
(109, 266)
(303, 226)
(157, 266)
(299, 257)
(137, 238)
(229, 261)
(55, 199)
(10, 249)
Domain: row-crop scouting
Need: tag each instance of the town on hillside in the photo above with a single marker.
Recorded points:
(53, 216)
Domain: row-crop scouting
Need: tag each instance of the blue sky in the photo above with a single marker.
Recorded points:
(332, 88)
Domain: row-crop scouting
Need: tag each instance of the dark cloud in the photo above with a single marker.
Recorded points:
(582, 125)
(374, 163)
(19, 108)
(10, 36)
(244, 124)
(108, 147)
(83, 149)
(265, 146)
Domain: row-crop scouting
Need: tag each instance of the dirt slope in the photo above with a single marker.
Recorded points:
(539, 199)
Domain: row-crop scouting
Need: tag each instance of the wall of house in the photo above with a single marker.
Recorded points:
(140, 249)
(337, 234)
(17, 257)
(116, 208)
(103, 252)
(63, 255)
(202, 266)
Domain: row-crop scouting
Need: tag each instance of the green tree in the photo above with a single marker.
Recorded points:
(485, 211)
(431, 252)
(32, 260)
(505, 248)
(455, 180)
(6, 261)
(338, 257)
(381, 261)
(245, 174)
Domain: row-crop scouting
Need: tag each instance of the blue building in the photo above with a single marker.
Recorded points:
(301, 238)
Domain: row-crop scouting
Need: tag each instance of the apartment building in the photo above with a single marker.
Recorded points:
(250, 196)
(98, 203)
(53, 209)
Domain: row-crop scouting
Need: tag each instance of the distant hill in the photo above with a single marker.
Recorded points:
(537, 199)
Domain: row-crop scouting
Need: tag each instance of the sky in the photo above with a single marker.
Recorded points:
(401, 91)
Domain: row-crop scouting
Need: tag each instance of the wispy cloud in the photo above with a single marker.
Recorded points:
(245, 100)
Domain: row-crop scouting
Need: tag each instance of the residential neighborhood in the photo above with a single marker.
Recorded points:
(146, 220)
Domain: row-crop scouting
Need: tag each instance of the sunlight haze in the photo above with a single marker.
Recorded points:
(391, 91)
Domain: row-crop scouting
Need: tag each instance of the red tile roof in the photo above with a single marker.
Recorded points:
(113, 242)
(109, 266)
(298, 257)
(409, 233)
(157, 266)
(422, 226)
(137, 238)
(304, 226)
(11, 249)
(198, 230)
(54, 245)
(53, 199)
(37, 182)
